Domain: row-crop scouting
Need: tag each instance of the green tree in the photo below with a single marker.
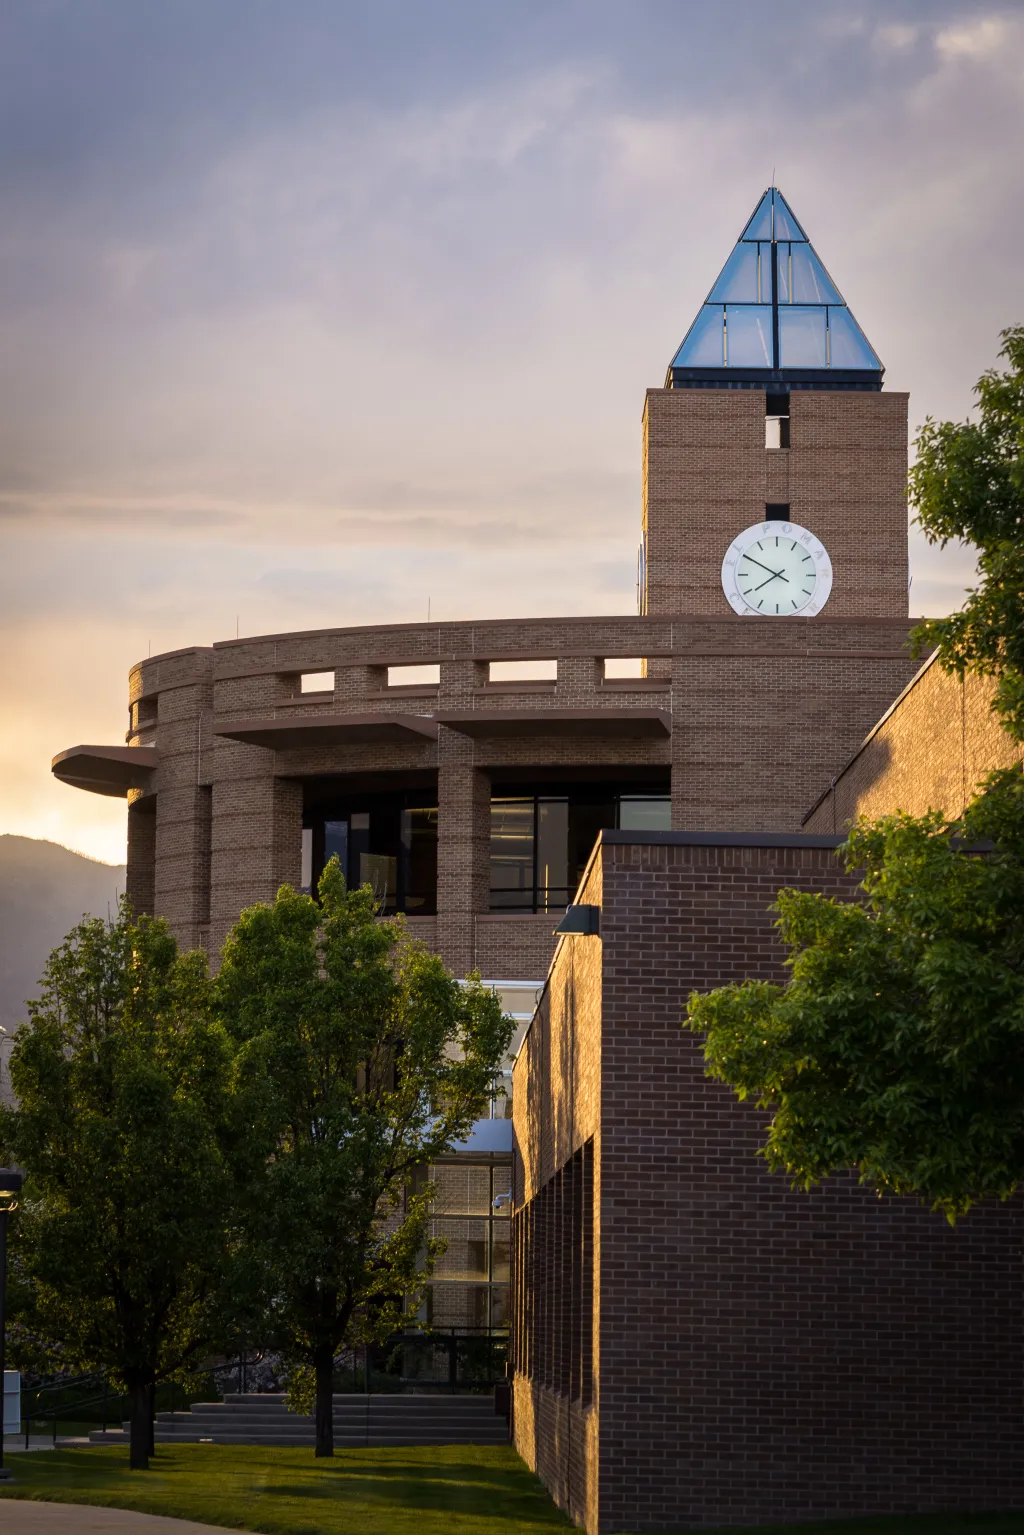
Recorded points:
(123, 1121)
(368, 1060)
(897, 1045)
(967, 483)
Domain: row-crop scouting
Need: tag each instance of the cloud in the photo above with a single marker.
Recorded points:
(307, 319)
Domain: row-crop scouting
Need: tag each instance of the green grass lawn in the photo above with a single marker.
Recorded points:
(448, 1490)
(444, 1490)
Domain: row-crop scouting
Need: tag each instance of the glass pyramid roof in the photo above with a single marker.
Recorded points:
(774, 314)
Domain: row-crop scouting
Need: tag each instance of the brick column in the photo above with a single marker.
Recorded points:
(141, 872)
(463, 849)
(257, 835)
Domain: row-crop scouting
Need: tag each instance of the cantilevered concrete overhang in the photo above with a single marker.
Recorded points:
(105, 769)
(616, 723)
(329, 730)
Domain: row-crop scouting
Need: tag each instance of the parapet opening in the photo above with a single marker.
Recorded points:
(623, 666)
(316, 682)
(414, 676)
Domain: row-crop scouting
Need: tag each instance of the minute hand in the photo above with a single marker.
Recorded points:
(776, 573)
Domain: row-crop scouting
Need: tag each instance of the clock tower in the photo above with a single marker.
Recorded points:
(774, 464)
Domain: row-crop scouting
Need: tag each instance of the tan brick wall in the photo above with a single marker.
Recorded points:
(764, 1355)
(708, 475)
(763, 713)
(556, 1110)
(929, 753)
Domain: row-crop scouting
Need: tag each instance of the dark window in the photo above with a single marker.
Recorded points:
(385, 841)
(540, 843)
(776, 511)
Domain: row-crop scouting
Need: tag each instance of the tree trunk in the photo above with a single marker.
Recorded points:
(324, 1366)
(138, 1427)
(152, 1418)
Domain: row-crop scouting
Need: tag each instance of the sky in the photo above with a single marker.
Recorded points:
(314, 312)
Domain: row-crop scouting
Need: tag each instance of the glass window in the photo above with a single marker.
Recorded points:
(737, 281)
(802, 338)
(512, 853)
(809, 282)
(764, 274)
(419, 850)
(645, 813)
(380, 870)
(786, 226)
(552, 854)
(702, 346)
(336, 844)
(760, 226)
(848, 345)
(748, 336)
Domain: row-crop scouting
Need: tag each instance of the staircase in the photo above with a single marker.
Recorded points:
(359, 1421)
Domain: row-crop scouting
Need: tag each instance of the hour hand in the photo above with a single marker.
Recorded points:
(772, 574)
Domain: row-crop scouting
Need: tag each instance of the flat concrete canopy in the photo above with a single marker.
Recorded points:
(329, 729)
(620, 723)
(105, 769)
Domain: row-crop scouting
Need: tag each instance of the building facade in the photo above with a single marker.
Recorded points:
(693, 1343)
(696, 1343)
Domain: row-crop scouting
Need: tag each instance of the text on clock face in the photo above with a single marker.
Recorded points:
(777, 570)
(776, 574)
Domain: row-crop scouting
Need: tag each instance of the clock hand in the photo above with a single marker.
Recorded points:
(771, 572)
(775, 576)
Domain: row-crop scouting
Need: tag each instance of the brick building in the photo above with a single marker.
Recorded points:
(696, 1343)
(665, 1284)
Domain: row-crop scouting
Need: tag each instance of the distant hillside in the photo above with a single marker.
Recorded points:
(44, 890)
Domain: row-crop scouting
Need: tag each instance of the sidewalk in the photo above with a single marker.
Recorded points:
(25, 1517)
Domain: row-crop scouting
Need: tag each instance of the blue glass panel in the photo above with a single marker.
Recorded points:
(748, 336)
(811, 283)
(802, 338)
(764, 256)
(702, 344)
(738, 279)
(848, 344)
(786, 226)
(760, 226)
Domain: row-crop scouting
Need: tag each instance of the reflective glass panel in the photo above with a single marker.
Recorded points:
(848, 344)
(738, 278)
(810, 283)
(380, 871)
(512, 853)
(786, 226)
(802, 338)
(702, 347)
(749, 336)
(336, 844)
(552, 854)
(760, 226)
(645, 814)
(419, 850)
(764, 277)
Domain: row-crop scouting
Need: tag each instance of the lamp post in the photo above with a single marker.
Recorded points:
(10, 1188)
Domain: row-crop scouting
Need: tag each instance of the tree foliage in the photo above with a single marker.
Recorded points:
(897, 1045)
(968, 483)
(124, 1124)
(362, 1060)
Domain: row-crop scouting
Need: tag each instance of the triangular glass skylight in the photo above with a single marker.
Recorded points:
(774, 310)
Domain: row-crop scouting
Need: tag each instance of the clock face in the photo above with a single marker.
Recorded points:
(776, 570)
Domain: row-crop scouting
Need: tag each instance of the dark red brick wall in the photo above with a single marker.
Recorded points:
(766, 1354)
